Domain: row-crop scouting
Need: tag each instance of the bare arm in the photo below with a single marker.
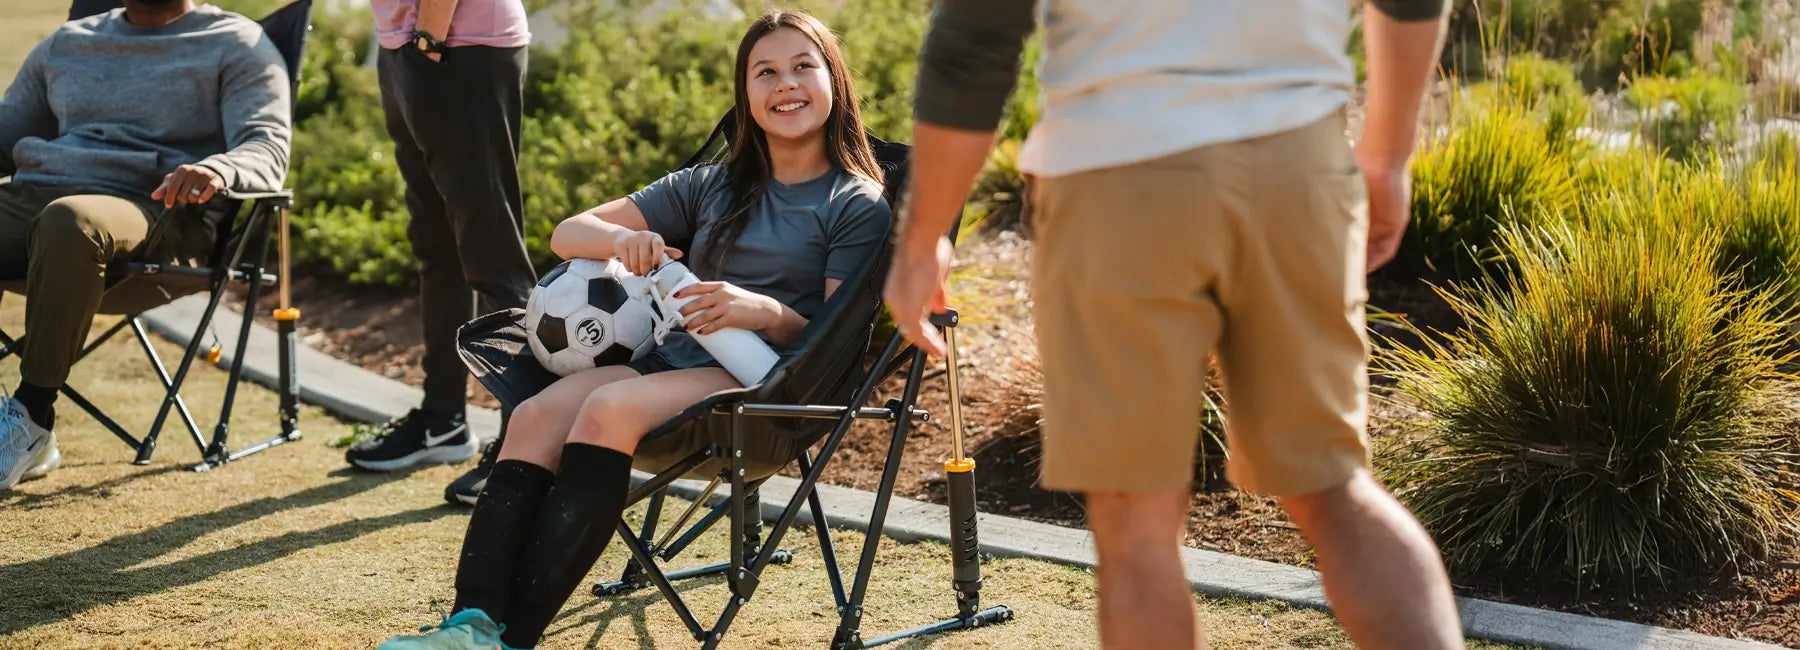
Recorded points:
(788, 327)
(1400, 55)
(1401, 41)
(595, 233)
(616, 229)
(434, 19)
(968, 66)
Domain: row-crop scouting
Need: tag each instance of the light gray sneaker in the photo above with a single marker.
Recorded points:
(47, 458)
(22, 443)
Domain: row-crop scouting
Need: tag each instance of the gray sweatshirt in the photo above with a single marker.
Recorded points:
(108, 106)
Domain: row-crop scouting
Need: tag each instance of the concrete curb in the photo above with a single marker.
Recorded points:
(345, 390)
(359, 395)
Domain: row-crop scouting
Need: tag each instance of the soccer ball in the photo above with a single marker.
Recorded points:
(589, 313)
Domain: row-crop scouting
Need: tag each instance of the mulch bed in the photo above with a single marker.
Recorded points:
(379, 330)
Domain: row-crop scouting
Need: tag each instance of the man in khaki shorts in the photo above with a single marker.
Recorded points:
(1196, 195)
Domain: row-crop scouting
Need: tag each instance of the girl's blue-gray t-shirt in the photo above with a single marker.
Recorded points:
(795, 238)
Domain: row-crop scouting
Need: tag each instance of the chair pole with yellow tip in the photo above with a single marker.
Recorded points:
(287, 319)
(965, 547)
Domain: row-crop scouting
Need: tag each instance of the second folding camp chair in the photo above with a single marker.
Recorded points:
(235, 250)
(798, 414)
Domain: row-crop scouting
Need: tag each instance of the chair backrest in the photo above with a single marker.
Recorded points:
(826, 361)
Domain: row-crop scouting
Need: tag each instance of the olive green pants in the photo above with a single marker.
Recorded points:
(60, 241)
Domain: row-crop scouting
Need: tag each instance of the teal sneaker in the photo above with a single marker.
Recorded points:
(466, 630)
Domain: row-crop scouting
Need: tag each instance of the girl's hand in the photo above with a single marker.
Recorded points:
(641, 251)
(722, 304)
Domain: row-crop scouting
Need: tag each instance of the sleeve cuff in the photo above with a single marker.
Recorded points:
(1412, 10)
(227, 174)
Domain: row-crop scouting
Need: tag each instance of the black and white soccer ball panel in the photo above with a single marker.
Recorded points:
(589, 313)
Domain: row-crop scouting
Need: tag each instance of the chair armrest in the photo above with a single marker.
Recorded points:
(257, 196)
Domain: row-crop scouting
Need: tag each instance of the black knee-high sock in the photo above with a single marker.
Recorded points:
(38, 400)
(577, 520)
(499, 530)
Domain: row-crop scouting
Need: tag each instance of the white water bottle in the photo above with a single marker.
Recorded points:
(744, 354)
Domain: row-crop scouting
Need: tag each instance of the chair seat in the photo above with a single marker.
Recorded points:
(494, 349)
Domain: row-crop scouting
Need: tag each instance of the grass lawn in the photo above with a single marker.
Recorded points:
(288, 549)
(27, 22)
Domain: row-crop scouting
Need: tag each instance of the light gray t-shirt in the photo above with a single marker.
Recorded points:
(796, 236)
(1126, 82)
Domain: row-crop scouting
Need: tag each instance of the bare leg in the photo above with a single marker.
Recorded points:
(541, 425)
(1145, 601)
(1382, 573)
(617, 415)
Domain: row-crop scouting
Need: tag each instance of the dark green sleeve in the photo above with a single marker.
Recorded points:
(1409, 10)
(970, 61)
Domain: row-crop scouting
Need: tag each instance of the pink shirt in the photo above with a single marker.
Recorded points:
(492, 23)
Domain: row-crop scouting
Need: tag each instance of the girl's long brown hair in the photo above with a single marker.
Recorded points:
(747, 162)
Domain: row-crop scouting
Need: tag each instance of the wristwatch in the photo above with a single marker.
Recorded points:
(426, 43)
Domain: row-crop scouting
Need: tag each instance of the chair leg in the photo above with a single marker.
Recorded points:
(8, 345)
(965, 550)
(11, 346)
(633, 575)
(220, 281)
(101, 416)
(217, 453)
(162, 375)
(827, 551)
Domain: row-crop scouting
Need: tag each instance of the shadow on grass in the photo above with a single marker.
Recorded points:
(637, 603)
(101, 490)
(55, 588)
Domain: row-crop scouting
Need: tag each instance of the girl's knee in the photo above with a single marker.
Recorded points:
(530, 434)
(608, 421)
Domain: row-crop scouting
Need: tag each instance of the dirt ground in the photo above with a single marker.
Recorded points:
(379, 329)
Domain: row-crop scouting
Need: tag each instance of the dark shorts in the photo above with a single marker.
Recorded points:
(654, 363)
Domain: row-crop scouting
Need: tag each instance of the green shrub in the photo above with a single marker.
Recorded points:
(998, 199)
(1547, 88)
(1611, 41)
(1775, 148)
(1598, 420)
(349, 216)
(1689, 118)
(1757, 211)
(1492, 167)
(1631, 172)
(1532, 78)
(628, 97)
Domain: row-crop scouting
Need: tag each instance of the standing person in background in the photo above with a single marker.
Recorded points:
(1195, 193)
(452, 81)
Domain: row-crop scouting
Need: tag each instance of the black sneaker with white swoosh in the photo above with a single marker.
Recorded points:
(421, 437)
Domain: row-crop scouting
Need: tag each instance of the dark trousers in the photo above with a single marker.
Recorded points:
(61, 240)
(455, 125)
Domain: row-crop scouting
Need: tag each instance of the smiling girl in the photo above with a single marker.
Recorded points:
(792, 211)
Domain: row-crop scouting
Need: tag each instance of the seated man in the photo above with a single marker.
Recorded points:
(112, 120)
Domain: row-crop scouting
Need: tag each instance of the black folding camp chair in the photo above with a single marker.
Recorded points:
(798, 414)
(234, 245)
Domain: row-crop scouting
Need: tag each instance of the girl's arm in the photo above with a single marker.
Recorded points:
(727, 305)
(616, 229)
(788, 327)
